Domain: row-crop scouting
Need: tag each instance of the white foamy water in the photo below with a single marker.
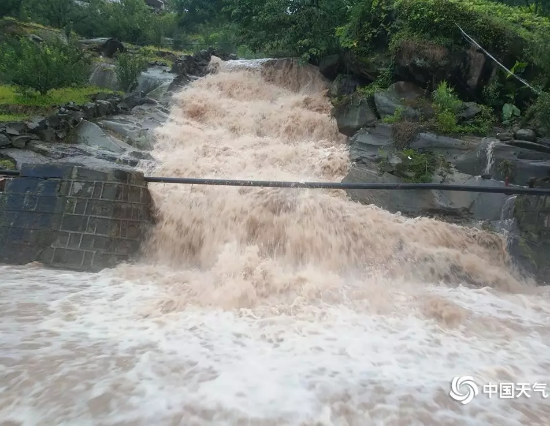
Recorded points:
(273, 307)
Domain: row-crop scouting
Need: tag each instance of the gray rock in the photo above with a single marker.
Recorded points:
(4, 141)
(36, 124)
(343, 85)
(367, 144)
(475, 158)
(90, 110)
(91, 134)
(470, 110)
(47, 135)
(399, 95)
(476, 63)
(533, 146)
(463, 205)
(11, 131)
(103, 75)
(155, 81)
(526, 135)
(20, 141)
(330, 66)
(503, 137)
(354, 115)
(104, 108)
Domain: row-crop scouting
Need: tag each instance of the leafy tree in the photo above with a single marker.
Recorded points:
(55, 13)
(299, 27)
(193, 13)
(10, 7)
(42, 67)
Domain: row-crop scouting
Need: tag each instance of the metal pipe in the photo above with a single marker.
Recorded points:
(337, 185)
(508, 190)
(9, 172)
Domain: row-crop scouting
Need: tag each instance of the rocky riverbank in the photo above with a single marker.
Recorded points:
(110, 130)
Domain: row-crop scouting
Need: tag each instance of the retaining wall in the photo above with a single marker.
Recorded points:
(72, 217)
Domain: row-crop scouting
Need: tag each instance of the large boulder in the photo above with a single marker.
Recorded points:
(112, 46)
(155, 81)
(330, 66)
(343, 85)
(90, 134)
(103, 76)
(155, 4)
(405, 96)
(462, 206)
(353, 114)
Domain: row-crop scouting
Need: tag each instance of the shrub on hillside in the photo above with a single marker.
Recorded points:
(42, 67)
(128, 68)
(538, 113)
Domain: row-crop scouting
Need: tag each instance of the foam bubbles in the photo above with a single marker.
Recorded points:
(270, 307)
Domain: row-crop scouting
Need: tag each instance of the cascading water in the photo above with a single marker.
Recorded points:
(490, 157)
(273, 307)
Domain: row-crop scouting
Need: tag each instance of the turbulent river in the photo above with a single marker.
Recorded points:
(274, 307)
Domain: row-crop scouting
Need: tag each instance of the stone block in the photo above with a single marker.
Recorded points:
(48, 204)
(21, 186)
(50, 187)
(44, 171)
(68, 257)
(30, 202)
(74, 240)
(100, 226)
(81, 189)
(74, 223)
(110, 191)
(80, 206)
(100, 208)
(89, 175)
(88, 260)
(98, 190)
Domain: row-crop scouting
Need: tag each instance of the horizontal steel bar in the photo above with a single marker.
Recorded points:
(9, 172)
(345, 185)
(509, 190)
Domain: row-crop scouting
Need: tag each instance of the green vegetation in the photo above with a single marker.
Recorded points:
(415, 166)
(128, 68)
(12, 117)
(538, 113)
(16, 106)
(447, 108)
(42, 67)
(7, 164)
(128, 20)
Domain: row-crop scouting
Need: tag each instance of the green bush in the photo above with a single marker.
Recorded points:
(538, 113)
(42, 67)
(128, 68)
(446, 105)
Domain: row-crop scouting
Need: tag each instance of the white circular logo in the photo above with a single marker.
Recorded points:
(464, 389)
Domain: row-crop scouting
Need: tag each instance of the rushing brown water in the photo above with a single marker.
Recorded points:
(273, 307)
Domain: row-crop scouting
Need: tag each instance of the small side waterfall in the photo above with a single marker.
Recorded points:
(490, 157)
(507, 223)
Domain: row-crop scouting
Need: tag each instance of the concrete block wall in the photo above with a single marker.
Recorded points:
(72, 217)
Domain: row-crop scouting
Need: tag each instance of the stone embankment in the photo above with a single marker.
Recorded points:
(73, 217)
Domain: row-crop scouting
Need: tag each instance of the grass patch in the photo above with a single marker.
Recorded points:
(158, 54)
(13, 117)
(80, 95)
(15, 106)
(6, 164)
